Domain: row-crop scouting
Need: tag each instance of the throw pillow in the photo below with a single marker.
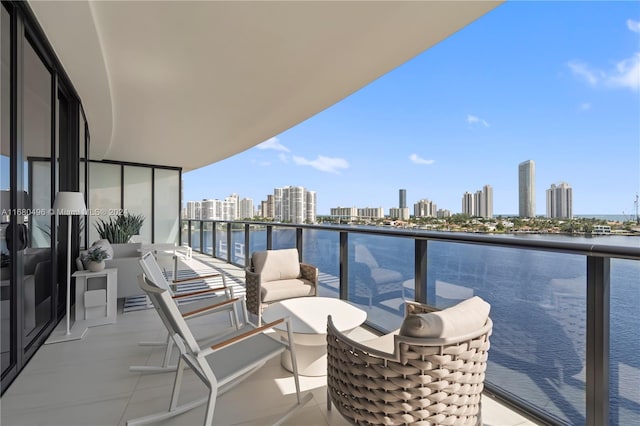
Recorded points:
(458, 320)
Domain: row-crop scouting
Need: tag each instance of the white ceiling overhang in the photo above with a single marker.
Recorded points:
(187, 84)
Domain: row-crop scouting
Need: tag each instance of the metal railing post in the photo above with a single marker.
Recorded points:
(344, 265)
(269, 237)
(421, 272)
(229, 245)
(597, 328)
(247, 243)
(299, 242)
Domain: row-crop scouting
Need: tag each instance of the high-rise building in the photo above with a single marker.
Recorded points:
(207, 209)
(527, 189)
(486, 202)
(310, 206)
(560, 201)
(371, 213)
(425, 208)
(348, 214)
(246, 208)
(402, 202)
(399, 213)
(193, 210)
(293, 204)
(468, 204)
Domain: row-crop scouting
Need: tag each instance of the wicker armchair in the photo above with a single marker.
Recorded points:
(277, 275)
(398, 380)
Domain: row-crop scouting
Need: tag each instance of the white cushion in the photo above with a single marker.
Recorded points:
(458, 320)
(286, 289)
(273, 265)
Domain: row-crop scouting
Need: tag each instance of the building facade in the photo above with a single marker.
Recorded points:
(425, 208)
(402, 198)
(527, 189)
(560, 201)
(468, 204)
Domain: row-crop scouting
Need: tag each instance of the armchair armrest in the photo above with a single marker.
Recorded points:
(199, 292)
(309, 272)
(240, 337)
(210, 307)
(253, 284)
(201, 277)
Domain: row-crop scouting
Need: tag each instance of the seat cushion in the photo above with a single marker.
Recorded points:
(458, 320)
(286, 289)
(275, 265)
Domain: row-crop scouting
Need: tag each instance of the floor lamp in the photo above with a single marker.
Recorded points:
(69, 204)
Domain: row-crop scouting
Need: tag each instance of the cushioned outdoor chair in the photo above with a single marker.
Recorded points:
(429, 372)
(220, 365)
(190, 305)
(277, 275)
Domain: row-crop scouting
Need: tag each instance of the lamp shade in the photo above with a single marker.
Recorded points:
(69, 204)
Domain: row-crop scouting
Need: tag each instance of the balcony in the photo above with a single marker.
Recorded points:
(87, 382)
(559, 355)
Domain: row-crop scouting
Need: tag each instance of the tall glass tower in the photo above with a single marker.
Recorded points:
(527, 189)
(402, 203)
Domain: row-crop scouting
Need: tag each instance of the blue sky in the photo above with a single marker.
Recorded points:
(553, 82)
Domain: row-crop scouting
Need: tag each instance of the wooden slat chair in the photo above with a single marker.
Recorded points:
(191, 305)
(429, 372)
(221, 365)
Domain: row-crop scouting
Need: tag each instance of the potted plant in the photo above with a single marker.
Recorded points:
(95, 259)
(120, 229)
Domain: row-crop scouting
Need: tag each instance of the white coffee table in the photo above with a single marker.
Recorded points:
(309, 322)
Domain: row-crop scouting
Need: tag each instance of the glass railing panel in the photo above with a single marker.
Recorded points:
(322, 249)
(221, 240)
(538, 308)
(184, 231)
(207, 238)
(257, 238)
(237, 241)
(379, 266)
(624, 339)
(283, 237)
(196, 244)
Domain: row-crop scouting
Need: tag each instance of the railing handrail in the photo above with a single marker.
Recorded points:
(511, 241)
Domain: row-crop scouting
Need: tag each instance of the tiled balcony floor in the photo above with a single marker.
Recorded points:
(87, 382)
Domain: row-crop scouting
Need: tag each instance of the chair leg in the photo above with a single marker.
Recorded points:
(211, 406)
(177, 384)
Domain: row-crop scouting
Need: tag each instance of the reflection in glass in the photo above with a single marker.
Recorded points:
(36, 249)
(6, 289)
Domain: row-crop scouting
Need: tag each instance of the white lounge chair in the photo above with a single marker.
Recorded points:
(220, 365)
(191, 305)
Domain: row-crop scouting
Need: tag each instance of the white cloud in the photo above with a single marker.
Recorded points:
(585, 106)
(283, 157)
(415, 158)
(626, 74)
(582, 70)
(324, 164)
(472, 119)
(273, 143)
(633, 25)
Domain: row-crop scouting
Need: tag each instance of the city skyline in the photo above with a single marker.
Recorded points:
(554, 82)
